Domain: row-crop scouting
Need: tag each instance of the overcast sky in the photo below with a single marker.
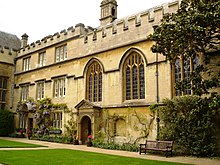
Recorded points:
(39, 18)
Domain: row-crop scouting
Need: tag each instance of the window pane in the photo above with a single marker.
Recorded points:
(65, 52)
(95, 87)
(135, 82)
(4, 83)
(1, 82)
(59, 88)
(128, 84)
(196, 62)
(24, 93)
(187, 74)
(90, 88)
(100, 87)
(44, 59)
(61, 54)
(3, 96)
(142, 82)
(57, 54)
(64, 87)
(177, 75)
(94, 82)
(134, 77)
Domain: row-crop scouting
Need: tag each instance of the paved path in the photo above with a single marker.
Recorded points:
(179, 159)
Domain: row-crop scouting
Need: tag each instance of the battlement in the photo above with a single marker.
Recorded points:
(132, 28)
(7, 55)
(7, 51)
(54, 39)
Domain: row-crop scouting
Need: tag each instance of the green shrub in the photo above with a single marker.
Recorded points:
(51, 138)
(112, 146)
(190, 122)
(6, 122)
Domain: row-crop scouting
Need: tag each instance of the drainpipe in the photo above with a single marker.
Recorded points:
(157, 92)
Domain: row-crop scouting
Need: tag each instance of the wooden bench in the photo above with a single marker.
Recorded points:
(163, 146)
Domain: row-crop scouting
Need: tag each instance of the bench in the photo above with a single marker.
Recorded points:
(153, 145)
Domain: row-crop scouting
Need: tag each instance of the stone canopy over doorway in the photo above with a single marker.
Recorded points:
(88, 119)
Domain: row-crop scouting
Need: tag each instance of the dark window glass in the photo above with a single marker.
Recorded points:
(177, 75)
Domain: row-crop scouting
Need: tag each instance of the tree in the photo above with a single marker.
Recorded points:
(6, 122)
(71, 127)
(193, 30)
(190, 122)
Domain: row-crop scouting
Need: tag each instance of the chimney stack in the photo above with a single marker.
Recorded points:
(24, 40)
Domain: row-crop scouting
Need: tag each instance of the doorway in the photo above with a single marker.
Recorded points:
(86, 129)
(30, 123)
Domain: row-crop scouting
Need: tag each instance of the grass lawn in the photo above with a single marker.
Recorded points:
(13, 144)
(65, 157)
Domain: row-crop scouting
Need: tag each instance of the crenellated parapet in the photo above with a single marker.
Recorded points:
(133, 28)
(129, 30)
(7, 55)
(54, 39)
(7, 51)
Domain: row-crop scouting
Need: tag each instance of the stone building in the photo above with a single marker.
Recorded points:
(9, 45)
(107, 76)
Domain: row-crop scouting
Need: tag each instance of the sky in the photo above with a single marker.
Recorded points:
(40, 18)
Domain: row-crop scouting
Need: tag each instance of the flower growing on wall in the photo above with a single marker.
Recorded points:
(89, 142)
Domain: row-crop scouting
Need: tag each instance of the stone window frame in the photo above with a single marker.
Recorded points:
(3, 91)
(40, 93)
(94, 77)
(57, 119)
(42, 59)
(26, 64)
(61, 53)
(25, 92)
(59, 87)
(183, 67)
(22, 120)
(133, 77)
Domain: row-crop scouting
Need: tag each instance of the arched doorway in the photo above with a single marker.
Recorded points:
(86, 128)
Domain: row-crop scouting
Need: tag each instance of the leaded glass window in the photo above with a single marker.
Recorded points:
(40, 90)
(3, 90)
(42, 59)
(134, 83)
(60, 87)
(24, 92)
(61, 53)
(26, 64)
(183, 69)
(187, 75)
(57, 120)
(177, 75)
(94, 82)
(128, 84)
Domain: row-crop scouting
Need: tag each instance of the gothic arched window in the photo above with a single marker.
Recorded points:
(133, 75)
(183, 69)
(94, 82)
(187, 72)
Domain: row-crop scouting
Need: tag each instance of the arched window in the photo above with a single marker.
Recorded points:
(94, 82)
(183, 69)
(187, 72)
(133, 75)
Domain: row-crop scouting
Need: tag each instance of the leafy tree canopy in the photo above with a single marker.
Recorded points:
(193, 30)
